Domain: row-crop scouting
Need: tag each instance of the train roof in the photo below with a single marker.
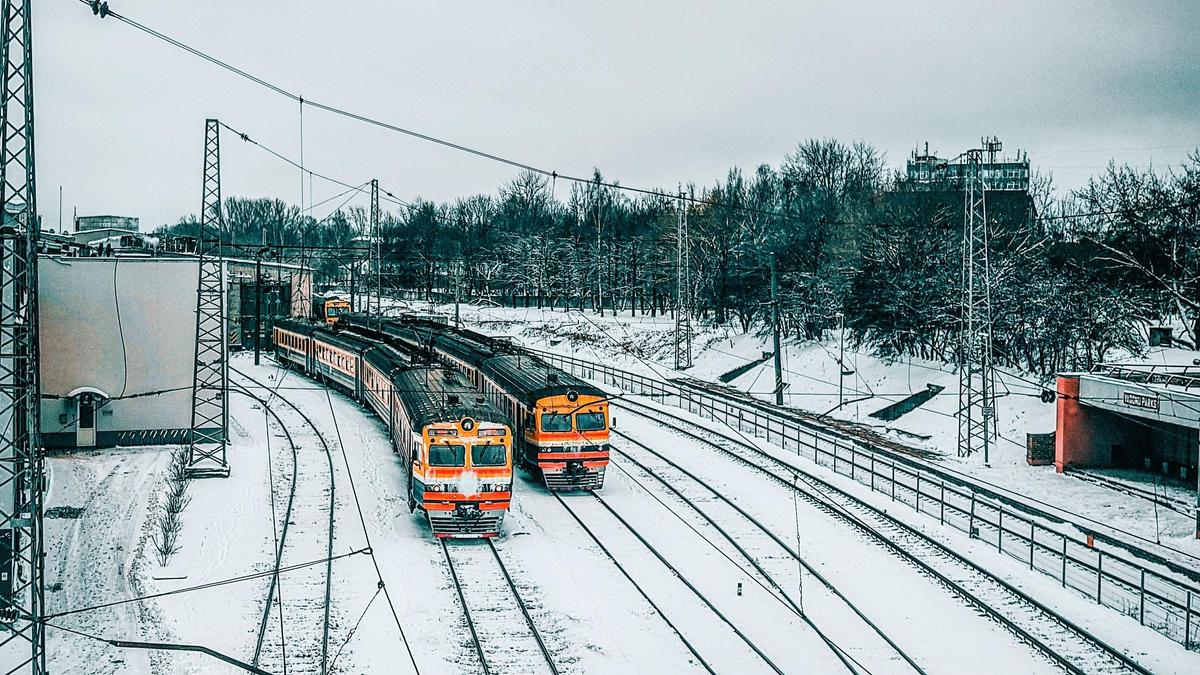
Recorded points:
(296, 326)
(385, 358)
(346, 341)
(434, 394)
(529, 378)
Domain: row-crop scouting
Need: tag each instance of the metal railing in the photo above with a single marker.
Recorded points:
(1186, 377)
(1166, 605)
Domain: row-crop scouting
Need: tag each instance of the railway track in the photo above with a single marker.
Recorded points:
(281, 540)
(1062, 641)
(1180, 506)
(1132, 550)
(606, 512)
(306, 533)
(491, 620)
(754, 528)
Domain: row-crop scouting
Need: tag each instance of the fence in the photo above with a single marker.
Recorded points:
(1110, 579)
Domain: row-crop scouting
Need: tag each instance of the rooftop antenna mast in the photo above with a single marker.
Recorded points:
(210, 379)
(22, 468)
(976, 369)
(683, 299)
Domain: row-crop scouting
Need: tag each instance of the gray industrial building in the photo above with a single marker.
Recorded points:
(111, 328)
(117, 338)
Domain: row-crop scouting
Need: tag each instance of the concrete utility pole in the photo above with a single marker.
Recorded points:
(841, 359)
(457, 291)
(599, 258)
(258, 279)
(375, 251)
(775, 330)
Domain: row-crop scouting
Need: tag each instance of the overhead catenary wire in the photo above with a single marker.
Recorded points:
(366, 534)
(209, 585)
(553, 175)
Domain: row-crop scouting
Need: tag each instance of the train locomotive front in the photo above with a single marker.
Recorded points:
(456, 445)
(563, 421)
(457, 450)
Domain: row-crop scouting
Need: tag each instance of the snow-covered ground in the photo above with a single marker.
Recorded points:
(592, 617)
(644, 344)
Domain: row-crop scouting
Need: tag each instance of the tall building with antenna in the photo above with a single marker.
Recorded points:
(928, 172)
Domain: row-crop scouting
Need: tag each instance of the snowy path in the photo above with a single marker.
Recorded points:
(95, 558)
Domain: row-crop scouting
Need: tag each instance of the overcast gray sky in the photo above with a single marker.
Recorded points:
(652, 93)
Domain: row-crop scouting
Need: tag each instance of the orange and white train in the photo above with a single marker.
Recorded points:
(456, 446)
(562, 422)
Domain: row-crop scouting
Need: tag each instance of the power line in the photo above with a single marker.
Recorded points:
(548, 173)
(210, 584)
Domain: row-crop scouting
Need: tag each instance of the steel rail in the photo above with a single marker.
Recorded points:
(332, 505)
(287, 518)
(537, 635)
(679, 575)
(771, 535)
(1175, 504)
(462, 601)
(621, 568)
(823, 501)
(834, 430)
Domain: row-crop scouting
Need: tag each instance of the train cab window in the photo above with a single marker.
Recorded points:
(589, 421)
(556, 422)
(446, 455)
(490, 454)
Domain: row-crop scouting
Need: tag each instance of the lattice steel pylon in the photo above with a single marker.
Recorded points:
(683, 283)
(976, 369)
(375, 251)
(22, 469)
(210, 380)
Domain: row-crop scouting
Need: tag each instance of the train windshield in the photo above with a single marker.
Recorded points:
(491, 454)
(337, 310)
(589, 421)
(556, 422)
(446, 455)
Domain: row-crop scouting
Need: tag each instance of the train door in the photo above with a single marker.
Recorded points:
(85, 421)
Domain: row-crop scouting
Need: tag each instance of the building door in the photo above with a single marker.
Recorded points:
(85, 422)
